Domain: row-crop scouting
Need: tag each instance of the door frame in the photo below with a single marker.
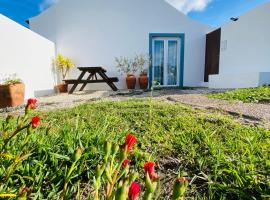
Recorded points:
(181, 36)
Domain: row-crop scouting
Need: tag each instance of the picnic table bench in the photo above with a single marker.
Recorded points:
(92, 78)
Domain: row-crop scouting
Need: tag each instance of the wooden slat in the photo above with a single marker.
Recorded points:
(92, 69)
(75, 81)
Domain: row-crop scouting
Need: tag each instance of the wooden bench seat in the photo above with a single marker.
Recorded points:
(92, 78)
(72, 81)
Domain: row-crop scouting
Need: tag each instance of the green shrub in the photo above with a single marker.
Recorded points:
(247, 95)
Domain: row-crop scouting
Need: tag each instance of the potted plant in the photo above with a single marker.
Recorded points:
(142, 62)
(129, 67)
(63, 65)
(12, 92)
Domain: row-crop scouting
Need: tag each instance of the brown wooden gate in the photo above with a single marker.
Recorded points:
(212, 53)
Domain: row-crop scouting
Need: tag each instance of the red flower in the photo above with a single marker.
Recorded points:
(31, 103)
(134, 191)
(149, 168)
(35, 121)
(130, 141)
(25, 190)
(125, 163)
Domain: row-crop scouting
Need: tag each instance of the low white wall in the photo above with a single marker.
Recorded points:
(245, 47)
(94, 32)
(240, 80)
(28, 55)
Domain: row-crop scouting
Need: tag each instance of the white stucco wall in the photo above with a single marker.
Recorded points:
(247, 51)
(28, 55)
(94, 32)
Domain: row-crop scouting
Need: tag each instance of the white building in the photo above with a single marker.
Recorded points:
(245, 51)
(27, 54)
(94, 32)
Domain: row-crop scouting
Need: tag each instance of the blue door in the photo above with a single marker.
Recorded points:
(166, 61)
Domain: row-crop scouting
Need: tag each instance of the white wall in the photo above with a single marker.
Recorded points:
(94, 32)
(28, 55)
(247, 52)
(239, 80)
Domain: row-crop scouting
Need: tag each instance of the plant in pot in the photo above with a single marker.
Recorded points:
(63, 65)
(142, 63)
(128, 67)
(12, 91)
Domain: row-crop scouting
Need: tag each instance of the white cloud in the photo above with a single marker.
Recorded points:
(46, 3)
(187, 6)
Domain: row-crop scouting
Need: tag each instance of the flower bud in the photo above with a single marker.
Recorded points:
(107, 149)
(78, 154)
(125, 163)
(35, 121)
(130, 142)
(23, 193)
(115, 149)
(122, 191)
(179, 188)
(134, 191)
(99, 171)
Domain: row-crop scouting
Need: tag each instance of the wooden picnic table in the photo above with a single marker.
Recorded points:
(92, 78)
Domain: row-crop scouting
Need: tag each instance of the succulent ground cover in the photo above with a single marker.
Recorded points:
(224, 159)
(247, 95)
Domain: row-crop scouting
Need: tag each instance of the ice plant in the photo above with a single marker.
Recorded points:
(22, 123)
(115, 170)
(130, 141)
(149, 168)
(77, 156)
(134, 191)
(179, 188)
(24, 193)
(35, 121)
(31, 104)
(125, 163)
(151, 180)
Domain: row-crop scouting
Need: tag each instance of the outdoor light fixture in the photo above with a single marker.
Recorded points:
(234, 19)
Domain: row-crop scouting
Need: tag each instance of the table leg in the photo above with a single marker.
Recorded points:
(89, 78)
(106, 79)
(76, 84)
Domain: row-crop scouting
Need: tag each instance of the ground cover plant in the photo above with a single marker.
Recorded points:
(224, 159)
(247, 95)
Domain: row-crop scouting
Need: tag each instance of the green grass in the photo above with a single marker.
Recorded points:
(231, 160)
(248, 95)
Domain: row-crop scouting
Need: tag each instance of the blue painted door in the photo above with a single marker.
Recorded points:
(166, 61)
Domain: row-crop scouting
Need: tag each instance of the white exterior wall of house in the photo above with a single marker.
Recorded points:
(94, 32)
(245, 51)
(28, 55)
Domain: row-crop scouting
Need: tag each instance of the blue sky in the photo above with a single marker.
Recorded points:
(211, 12)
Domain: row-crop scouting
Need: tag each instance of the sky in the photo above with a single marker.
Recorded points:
(211, 12)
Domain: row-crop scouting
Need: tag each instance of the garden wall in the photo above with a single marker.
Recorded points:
(244, 53)
(27, 54)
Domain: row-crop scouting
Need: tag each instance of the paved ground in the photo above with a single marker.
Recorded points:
(250, 112)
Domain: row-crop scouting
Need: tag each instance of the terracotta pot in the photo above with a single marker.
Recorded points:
(143, 81)
(62, 88)
(12, 95)
(131, 81)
